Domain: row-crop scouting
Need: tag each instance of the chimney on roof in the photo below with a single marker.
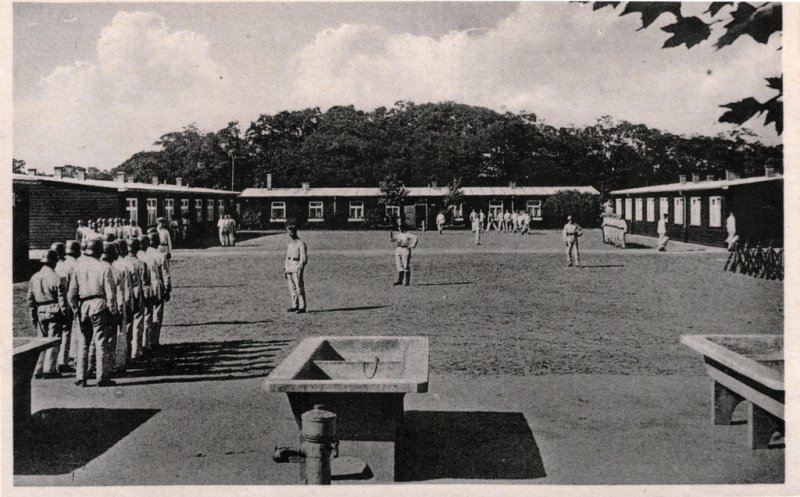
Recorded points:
(178, 181)
(121, 177)
(512, 184)
(305, 185)
(434, 184)
(729, 175)
(58, 172)
(269, 181)
(31, 171)
(769, 171)
(695, 178)
(154, 180)
(682, 179)
(710, 177)
(80, 173)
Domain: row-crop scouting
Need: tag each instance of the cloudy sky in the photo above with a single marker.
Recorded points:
(95, 83)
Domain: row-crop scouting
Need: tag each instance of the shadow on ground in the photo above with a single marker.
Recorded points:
(205, 361)
(58, 441)
(468, 445)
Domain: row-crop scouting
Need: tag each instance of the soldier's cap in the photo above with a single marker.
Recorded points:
(94, 247)
(133, 245)
(144, 242)
(60, 249)
(109, 237)
(122, 247)
(49, 257)
(291, 227)
(73, 248)
(152, 230)
(154, 240)
(160, 220)
(110, 248)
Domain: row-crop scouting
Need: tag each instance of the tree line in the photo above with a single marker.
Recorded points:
(419, 144)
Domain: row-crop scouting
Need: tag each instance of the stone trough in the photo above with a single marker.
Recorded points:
(363, 380)
(26, 354)
(745, 368)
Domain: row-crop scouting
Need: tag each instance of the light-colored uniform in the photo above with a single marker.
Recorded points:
(160, 293)
(662, 234)
(222, 228)
(142, 298)
(440, 222)
(404, 242)
(571, 234)
(156, 284)
(231, 232)
(122, 348)
(294, 266)
(94, 293)
(476, 227)
(506, 222)
(48, 307)
(165, 240)
(117, 318)
(730, 227)
(66, 270)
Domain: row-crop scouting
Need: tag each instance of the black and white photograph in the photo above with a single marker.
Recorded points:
(263, 246)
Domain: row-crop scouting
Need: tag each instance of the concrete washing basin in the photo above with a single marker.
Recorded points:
(26, 354)
(363, 380)
(745, 368)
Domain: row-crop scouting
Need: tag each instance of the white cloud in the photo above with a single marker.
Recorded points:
(145, 81)
(564, 62)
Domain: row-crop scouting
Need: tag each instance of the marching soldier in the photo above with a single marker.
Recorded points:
(122, 349)
(93, 293)
(294, 266)
(48, 307)
(404, 242)
(140, 295)
(571, 234)
(66, 267)
(156, 280)
(162, 288)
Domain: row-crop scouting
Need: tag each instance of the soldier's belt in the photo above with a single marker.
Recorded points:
(83, 299)
(292, 259)
(47, 302)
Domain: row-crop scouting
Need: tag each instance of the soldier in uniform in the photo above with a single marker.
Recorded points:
(222, 228)
(662, 233)
(571, 234)
(476, 226)
(403, 242)
(140, 294)
(440, 222)
(121, 350)
(164, 238)
(66, 267)
(162, 288)
(79, 231)
(294, 266)
(136, 231)
(156, 280)
(231, 230)
(93, 293)
(48, 307)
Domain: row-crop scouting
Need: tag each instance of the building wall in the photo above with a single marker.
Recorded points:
(55, 208)
(176, 197)
(21, 223)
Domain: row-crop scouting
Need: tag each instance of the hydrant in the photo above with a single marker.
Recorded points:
(319, 444)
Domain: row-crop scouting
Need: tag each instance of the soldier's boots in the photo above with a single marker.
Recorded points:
(408, 277)
(399, 279)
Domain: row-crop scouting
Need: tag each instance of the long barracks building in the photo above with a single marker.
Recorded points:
(357, 208)
(697, 210)
(46, 208)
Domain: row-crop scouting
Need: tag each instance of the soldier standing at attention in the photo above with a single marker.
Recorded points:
(79, 231)
(136, 231)
(404, 242)
(156, 280)
(440, 222)
(662, 233)
(93, 293)
(162, 293)
(140, 295)
(571, 234)
(293, 267)
(477, 225)
(165, 239)
(48, 307)
(65, 269)
(232, 228)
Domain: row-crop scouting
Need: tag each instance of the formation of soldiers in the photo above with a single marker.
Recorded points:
(758, 261)
(104, 297)
(518, 222)
(614, 230)
(227, 231)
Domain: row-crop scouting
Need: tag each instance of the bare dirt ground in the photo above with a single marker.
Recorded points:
(588, 360)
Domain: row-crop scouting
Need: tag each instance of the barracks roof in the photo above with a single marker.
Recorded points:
(414, 191)
(119, 185)
(699, 185)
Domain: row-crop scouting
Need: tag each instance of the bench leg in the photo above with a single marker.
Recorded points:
(725, 401)
(761, 426)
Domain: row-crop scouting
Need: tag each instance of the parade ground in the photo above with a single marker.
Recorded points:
(539, 373)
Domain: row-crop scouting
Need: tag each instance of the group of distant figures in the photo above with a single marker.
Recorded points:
(758, 261)
(126, 229)
(614, 230)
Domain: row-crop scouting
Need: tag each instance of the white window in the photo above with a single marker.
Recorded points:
(629, 209)
(458, 212)
(651, 210)
(496, 208)
(152, 206)
(678, 210)
(534, 207)
(356, 211)
(132, 208)
(315, 211)
(664, 206)
(198, 209)
(278, 211)
(393, 211)
(184, 206)
(618, 207)
(210, 209)
(639, 209)
(715, 212)
(694, 213)
(169, 208)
